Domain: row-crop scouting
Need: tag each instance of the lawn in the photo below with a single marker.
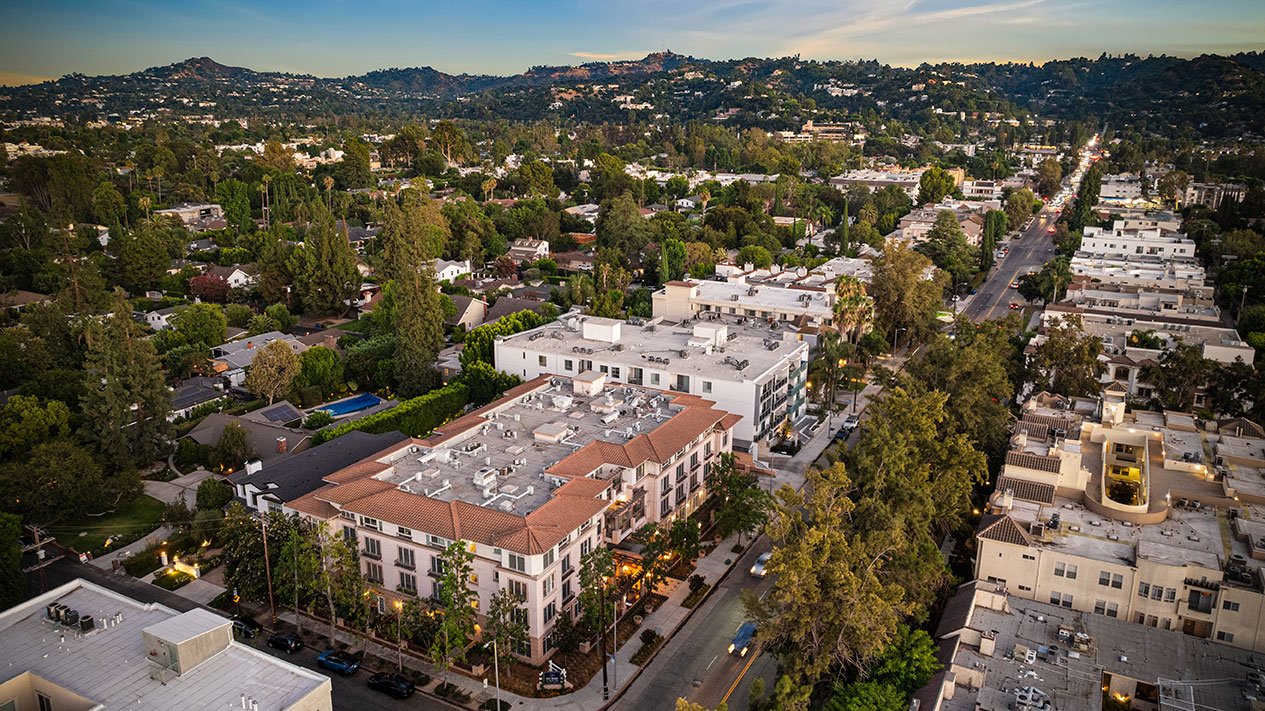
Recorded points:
(125, 524)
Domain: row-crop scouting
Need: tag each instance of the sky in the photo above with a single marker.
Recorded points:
(41, 40)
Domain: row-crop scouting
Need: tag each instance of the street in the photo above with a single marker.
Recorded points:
(1028, 252)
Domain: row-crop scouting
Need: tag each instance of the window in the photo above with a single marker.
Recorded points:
(548, 585)
(707, 386)
(46, 703)
(1231, 606)
(550, 610)
(541, 360)
(1029, 557)
(1104, 578)
(665, 505)
(373, 548)
(517, 562)
(403, 532)
(349, 533)
(707, 449)
(615, 372)
(408, 583)
(1170, 594)
(373, 572)
(436, 566)
(370, 523)
(1025, 588)
(566, 590)
(567, 365)
(405, 559)
(517, 588)
(1113, 610)
(1157, 592)
(680, 473)
(1117, 581)
(436, 541)
(1060, 599)
(1065, 571)
(654, 378)
(603, 369)
(1100, 607)
(566, 563)
(1144, 589)
(548, 558)
(1223, 636)
(585, 546)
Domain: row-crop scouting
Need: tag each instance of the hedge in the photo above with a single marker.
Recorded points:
(416, 417)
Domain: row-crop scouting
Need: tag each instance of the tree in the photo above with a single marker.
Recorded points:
(456, 626)
(1067, 360)
(12, 579)
(829, 605)
(621, 226)
(275, 277)
(320, 368)
(281, 316)
(446, 138)
(536, 178)
(213, 493)
(742, 506)
(143, 257)
(200, 323)
(672, 265)
(597, 584)
(272, 371)
(353, 171)
(684, 705)
(277, 157)
(1049, 177)
(209, 287)
(126, 408)
(234, 198)
(934, 184)
(325, 271)
(946, 246)
(297, 575)
(38, 489)
(1181, 373)
(420, 335)
(25, 423)
(1018, 208)
(1173, 185)
(867, 696)
(108, 205)
(232, 451)
(756, 256)
(1050, 283)
(507, 621)
(904, 299)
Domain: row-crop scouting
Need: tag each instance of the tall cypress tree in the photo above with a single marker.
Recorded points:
(325, 266)
(127, 401)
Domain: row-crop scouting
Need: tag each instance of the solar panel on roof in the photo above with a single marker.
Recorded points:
(284, 413)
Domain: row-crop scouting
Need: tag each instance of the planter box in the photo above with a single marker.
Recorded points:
(585, 647)
(478, 669)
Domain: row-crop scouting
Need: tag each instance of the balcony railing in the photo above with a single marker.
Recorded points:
(407, 565)
(365, 553)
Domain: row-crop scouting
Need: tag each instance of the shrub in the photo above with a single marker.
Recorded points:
(143, 563)
(317, 420)
(173, 579)
(213, 494)
(191, 454)
(490, 704)
(415, 417)
(648, 636)
(697, 583)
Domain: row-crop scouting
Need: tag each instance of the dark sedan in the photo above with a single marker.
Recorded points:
(246, 626)
(392, 685)
(288, 642)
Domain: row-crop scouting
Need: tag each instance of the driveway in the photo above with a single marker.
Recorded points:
(169, 492)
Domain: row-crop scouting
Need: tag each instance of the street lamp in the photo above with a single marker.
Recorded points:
(399, 636)
(496, 670)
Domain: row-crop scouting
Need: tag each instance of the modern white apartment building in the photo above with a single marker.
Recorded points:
(753, 366)
(1138, 270)
(530, 483)
(1120, 187)
(1148, 517)
(807, 306)
(1194, 303)
(1119, 240)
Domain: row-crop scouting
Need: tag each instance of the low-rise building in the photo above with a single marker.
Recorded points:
(806, 306)
(529, 484)
(1003, 651)
(1120, 187)
(528, 250)
(750, 366)
(1148, 241)
(449, 271)
(82, 647)
(1211, 194)
(241, 276)
(1138, 270)
(196, 216)
(1147, 517)
(231, 359)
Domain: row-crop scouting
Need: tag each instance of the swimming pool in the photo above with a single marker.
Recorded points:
(364, 401)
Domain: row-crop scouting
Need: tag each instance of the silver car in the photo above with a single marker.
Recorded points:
(758, 569)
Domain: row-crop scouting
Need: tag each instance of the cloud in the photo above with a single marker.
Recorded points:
(598, 56)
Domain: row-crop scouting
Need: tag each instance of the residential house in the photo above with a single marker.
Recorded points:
(528, 251)
(231, 359)
(193, 392)
(449, 271)
(470, 311)
(507, 305)
(241, 276)
(19, 300)
(266, 431)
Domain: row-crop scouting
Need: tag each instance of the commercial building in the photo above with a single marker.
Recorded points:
(1004, 652)
(1120, 187)
(752, 366)
(196, 216)
(82, 647)
(1211, 194)
(1137, 270)
(1152, 518)
(1193, 303)
(530, 483)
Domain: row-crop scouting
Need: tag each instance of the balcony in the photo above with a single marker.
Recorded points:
(435, 573)
(406, 565)
(371, 555)
(406, 590)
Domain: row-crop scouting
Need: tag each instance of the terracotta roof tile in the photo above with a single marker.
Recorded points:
(1027, 490)
(351, 491)
(1033, 461)
(1000, 527)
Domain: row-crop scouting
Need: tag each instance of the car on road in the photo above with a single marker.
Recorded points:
(1050, 229)
(339, 661)
(392, 685)
(1013, 305)
(758, 568)
(288, 642)
(1014, 284)
(851, 423)
(743, 640)
(246, 626)
(842, 434)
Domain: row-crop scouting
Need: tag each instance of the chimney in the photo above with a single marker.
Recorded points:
(281, 445)
(1008, 500)
(987, 643)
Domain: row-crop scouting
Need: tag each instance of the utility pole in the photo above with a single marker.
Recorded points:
(601, 632)
(42, 559)
(1242, 300)
(496, 670)
(272, 608)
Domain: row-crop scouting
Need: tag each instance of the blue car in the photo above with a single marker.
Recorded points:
(339, 661)
(744, 640)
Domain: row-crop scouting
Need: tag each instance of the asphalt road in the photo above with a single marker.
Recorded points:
(1028, 252)
(696, 665)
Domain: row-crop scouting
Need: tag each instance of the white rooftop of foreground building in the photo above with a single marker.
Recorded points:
(114, 663)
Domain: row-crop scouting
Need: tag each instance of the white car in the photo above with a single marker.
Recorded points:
(758, 570)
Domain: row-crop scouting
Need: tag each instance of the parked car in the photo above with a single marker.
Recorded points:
(288, 642)
(339, 661)
(1015, 306)
(842, 434)
(758, 569)
(851, 423)
(392, 685)
(246, 626)
(743, 640)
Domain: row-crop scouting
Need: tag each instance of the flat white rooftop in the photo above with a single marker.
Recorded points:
(108, 664)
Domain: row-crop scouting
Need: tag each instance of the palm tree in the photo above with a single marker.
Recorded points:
(488, 186)
(144, 203)
(854, 309)
(329, 185)
(704, 195)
